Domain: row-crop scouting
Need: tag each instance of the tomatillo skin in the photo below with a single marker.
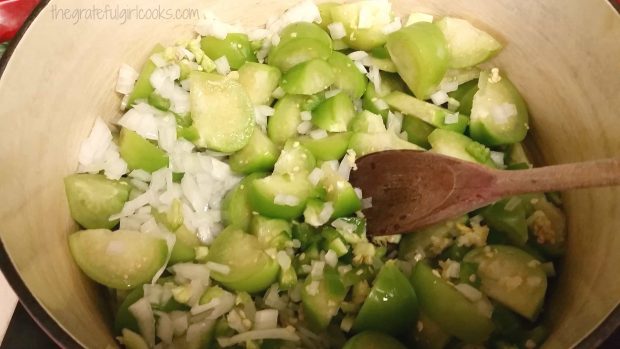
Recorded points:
(391, 306)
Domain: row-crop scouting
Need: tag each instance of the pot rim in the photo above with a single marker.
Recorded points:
(64, 340)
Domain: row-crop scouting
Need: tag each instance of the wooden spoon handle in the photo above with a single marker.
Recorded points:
(598, 173)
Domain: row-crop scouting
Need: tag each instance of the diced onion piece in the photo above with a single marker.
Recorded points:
(197, 331)
(266, 319)
(449, 86)
(331, 258)
(287, 334)
(332, 93)
(366, 203)
(304, 127)
(416, 17)
(440, 97)
(498, 158)
(219, 268)
(394, 122)
(222, 66)
(165, 328)
(318, 134)
(512, 203)
(306, 116)
(381, 104)
(127, 77)
(360, 67)
(185, 272)
(286, 200)
(358, 55)
(179, 322)
(469, 292)
(337, 30)
(143, 313)
(284, 260)
(392, 26)
(315, 176)
(450, 119)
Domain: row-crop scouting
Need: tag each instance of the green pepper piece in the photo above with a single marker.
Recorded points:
(139, 153)
(499, 114)
(420, 54)
(373, 340)
(143, 89)
(159, 102)
(308, 78)
(348, 78)
(259, 155)
(445, 305)
(93, 198)
(235, 47)
(467, 274)
(465, 95)
(306, 234)
(251, 269)
(391, 306)
(171, 219)
(511, 222)
(417, 131)
(124, 318)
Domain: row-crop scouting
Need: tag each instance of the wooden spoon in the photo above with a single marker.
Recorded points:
(413, 189)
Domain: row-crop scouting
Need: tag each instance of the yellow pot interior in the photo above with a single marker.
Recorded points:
(562, 55)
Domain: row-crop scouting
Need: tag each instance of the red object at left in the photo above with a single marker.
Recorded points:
(13, 14)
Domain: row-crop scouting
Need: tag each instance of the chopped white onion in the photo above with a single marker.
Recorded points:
(318, 134)
(469, 292)
(185, 272)
(165, 328)
(127, 77)
(358, 55)
(332, 93)
(306, 115)
(286, 200)
(266, 319)
(222, 66)
(143, 313)
(287, 334)
(392, 26)
(196, 332)
(337, 30)
(218, 268)
(451, 119)
(416, 17)
(315, 176)
(284, 260)
(304, 127)
(394, 122)
(439, 97)
(366, 203)
(498, 158)
(179, 322)
(331, 258)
